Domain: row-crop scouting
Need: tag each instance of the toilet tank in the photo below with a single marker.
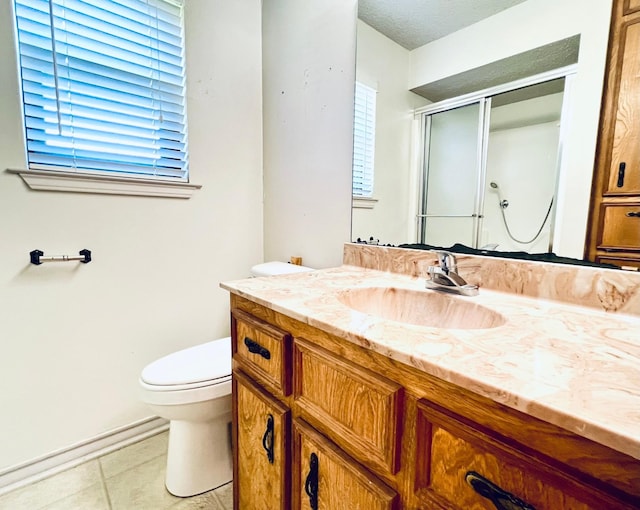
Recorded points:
(276, 268)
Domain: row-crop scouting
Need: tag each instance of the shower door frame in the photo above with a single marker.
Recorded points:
(483, 98)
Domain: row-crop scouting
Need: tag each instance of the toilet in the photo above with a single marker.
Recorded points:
(192, 389)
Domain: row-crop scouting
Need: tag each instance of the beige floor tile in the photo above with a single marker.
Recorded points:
(141, 488)
(93, 498)
(51, 490)
(225, 495)
(206, 501)
(134, 455)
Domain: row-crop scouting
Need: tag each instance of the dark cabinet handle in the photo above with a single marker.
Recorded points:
(267, 439)
(621, 170)
(501, 499)
(256, 348)
(311, 484)
(635, 214)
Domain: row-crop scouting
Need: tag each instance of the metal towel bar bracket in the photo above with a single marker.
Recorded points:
(37, 257)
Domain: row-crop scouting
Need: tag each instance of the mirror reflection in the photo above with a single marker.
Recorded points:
(490, 171)
(485, 173)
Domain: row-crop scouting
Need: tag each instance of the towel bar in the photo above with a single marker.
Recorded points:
(37, 258)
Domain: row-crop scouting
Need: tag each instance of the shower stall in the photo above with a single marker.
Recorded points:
(490, 165)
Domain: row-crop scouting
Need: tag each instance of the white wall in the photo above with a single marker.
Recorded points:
(308, 85)
(526, 26)
(523, 161)
(75, 337)
(384, 65)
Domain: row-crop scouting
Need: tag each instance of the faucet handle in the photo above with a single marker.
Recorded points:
(447, 261)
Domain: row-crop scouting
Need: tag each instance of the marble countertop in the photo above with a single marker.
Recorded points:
(572, 366)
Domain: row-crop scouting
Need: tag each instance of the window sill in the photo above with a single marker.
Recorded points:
(364, 202)
(48, 180)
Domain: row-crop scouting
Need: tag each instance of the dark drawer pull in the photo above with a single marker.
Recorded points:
(621, 169)
(632, 214)
(267, 439)
(256, 348)
(502, 500)
(311, 483)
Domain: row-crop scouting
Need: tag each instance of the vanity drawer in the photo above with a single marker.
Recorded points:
(263, 350)
(356, 408)
(462, 465)
(621, 228)
(625, 262)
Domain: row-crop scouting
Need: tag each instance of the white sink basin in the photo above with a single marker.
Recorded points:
(421, 308)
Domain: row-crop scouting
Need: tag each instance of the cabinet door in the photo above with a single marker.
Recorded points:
(624, 174)
(464, 466)
(261, 435)
(358, 409)
(325, 478)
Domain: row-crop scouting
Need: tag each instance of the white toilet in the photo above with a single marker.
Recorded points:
(192, 389)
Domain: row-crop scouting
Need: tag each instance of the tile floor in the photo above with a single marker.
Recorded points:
(131, 478)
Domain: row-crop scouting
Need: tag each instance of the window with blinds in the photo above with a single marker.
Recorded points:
(364, 140)
(103, 86)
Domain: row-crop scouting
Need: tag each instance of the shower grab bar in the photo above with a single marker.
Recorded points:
(473, 215)
(36, 257)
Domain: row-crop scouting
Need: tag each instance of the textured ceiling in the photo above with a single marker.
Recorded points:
(413, 23)
(539, 60)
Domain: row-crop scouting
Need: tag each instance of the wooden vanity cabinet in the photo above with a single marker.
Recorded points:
(352, 429)
(613, 234)
(267, 457)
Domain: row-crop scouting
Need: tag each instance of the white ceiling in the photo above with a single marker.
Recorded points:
(413, 23)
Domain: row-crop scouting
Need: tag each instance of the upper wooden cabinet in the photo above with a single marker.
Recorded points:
(614, 223)
(624, 169)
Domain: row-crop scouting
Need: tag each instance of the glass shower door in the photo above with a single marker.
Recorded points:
(452, 163)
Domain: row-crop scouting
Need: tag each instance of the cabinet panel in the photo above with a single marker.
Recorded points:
(465, 466)
(621, 227)
(263, 350)
(325, 478)
(623, 262)
(631, 6)
(358, 409)
(261, 435)
(624, 174)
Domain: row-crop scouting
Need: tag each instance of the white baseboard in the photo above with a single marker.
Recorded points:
(37, 469)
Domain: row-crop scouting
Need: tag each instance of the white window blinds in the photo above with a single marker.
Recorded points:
(103, 86)
(364, 140)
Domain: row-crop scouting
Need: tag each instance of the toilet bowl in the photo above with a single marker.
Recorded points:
(192, 389)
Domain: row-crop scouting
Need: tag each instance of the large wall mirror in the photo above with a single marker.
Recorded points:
(476, 157)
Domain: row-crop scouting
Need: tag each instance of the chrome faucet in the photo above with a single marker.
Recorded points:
(445, 276)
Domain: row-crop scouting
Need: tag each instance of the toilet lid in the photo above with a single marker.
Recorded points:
(277, 268)
(204, 362)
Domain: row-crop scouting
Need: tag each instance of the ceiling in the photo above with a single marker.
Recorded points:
(413, 23)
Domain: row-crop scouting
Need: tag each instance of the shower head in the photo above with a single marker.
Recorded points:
(503, 203)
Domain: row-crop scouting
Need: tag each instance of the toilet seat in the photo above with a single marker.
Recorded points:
(167, 396)
(193, 367)
(198, 373)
